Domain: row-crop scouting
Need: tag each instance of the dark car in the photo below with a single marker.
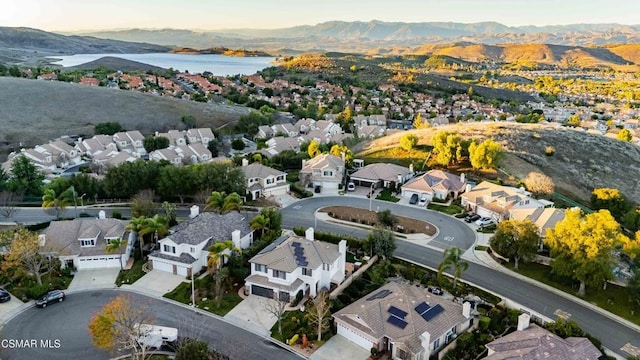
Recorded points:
(4, 295)
(471, 218)
(414, 199)
(435, 290)
(50, 297)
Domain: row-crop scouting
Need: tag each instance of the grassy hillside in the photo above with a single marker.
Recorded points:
(581, 161)
(34, 111)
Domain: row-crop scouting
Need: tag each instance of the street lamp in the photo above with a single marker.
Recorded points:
(193, 291)
(371, 195)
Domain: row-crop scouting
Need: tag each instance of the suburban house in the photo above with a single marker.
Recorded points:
(130, 141)
(185, 250)
(41, 159)
(404, 319)
(323, 171)
(82, 243)
(110, 160)
(295, 263)
(544, 218)
(167, 154)
(175, 137)
(436, 184)
(63, 154)
(382, 175)
(496, 201)
(263, 180)
(96, 145)
(194, 153)
(200, 135)
(531, 342)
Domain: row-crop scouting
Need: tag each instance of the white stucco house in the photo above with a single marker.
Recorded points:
(435, 184)
(496, 201)
(184, 250)
(325, 171)
(294, 263)
(382, 175)
(82, 243)
(404, 319)
(263, 180)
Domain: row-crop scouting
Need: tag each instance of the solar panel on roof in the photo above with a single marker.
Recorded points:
(303, 263)
(397, 322)
(379, 295)
(295, 244)
(422, 308)
(397, 312)
(433, 312)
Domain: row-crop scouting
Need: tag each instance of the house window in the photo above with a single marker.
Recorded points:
(85, 243)
(193, 249)
(261, 268)
(307, 272)
(280, 274)
(280, 178)
(436, 344)
(169, 249)
(269, 181)
(401, 354)
(327, 173)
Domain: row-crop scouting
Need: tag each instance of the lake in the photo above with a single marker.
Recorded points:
(217, 64)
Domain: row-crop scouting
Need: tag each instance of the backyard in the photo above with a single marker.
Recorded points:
(362, 216)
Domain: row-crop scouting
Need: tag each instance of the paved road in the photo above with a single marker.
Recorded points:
(450, 232)
(67, 322)
(613, 335)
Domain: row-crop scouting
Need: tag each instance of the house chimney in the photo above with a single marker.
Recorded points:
(411, 168)
(102, 215)
(245, 162)
(309, 234)
(400, 180)
(466, 309)
(235, 238)
(425, 341)
(304, 162)
(468, 188)
(195, 211)
(523, 321)
(342, 155)
(462, 178)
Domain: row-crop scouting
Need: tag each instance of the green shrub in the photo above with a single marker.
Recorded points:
(116, 214)
(484, 322)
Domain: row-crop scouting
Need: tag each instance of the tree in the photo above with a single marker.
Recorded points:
(23, 250)
(418, 123)
(119, 325)
(276, 307)
(539, 184)
(108, 128)
(218, 252)
(188, 120)
(573, 121)
(624, 135)
(582, 246)
(152, 143)
(320, 313)
(314, 149)
(214, 147)
(408, 142)
(192, 349)
(447, 147)
(516, 239)
(136, 225)
(176, 181)
(260, 222)
(452, 258)
(58, 202)
(143, 204)
(387, 218)
(339, 150)
(8, 203)
(25, 177)
(382, 242)
(170, 212)
(610, 199)
(485, 155)
(158, 226)
(238, 144)
(116, 245)
(223, 202)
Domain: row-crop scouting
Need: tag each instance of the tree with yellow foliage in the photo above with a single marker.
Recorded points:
(418, 123)
(338, 150)
(447, 147)
(624, 135)
(610, 199)
(582, 247)
(314, 149)
(484, 155)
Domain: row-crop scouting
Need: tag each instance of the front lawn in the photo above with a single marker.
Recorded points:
(204, 296)
(387, 195)
(132, 275)
(613, 299)
(25, 287)
(452, 209)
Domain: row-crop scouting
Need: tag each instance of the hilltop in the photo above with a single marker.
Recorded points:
(575, 171)
(113, 62)
(35, 111)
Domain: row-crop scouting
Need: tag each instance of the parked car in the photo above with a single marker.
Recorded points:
(484, 221)
(435, 290)
(423, 200)
(4, 295)
(351, 186)
(50, 297)
(472, 218)
(414, 199)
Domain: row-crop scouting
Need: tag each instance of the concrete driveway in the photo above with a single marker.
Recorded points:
(157, 283)
(94, 279)
(338, 347)
(251, 313)
(9, 308)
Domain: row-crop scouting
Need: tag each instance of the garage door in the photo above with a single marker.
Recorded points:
(354, 337)
(262, 291)
(484, 212)
(99, 262)
(162, 266)
(407, 193)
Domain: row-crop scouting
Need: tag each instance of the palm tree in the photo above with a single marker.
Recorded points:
(157, 225)
(260, 222)
(58, 202)
(136, 225)
(217, 253)
(453, 258)
(116, 245)
(215, 201)
(222, 202)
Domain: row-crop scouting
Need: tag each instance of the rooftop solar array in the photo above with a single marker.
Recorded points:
(422, 308)
(397, 322)
(379, 295)
(432, 312)
(397, 312)
(295, 244)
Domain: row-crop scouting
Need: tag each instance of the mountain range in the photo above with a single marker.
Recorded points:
(357, 36)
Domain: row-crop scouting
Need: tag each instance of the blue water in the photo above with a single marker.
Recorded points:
(216, 64)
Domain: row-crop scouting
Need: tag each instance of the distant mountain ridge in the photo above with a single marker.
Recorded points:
(340, 35)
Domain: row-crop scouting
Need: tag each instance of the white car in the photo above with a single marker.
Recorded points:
(423, 200)
(351, 187)
(484, 221)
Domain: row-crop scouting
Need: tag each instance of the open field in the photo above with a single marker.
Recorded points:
(34, 111)
(581, 161)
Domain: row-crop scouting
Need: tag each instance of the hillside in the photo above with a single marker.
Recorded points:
(34, 111)
(115, 63)
(574, 171)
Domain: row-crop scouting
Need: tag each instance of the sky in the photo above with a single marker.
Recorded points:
(82, 15)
